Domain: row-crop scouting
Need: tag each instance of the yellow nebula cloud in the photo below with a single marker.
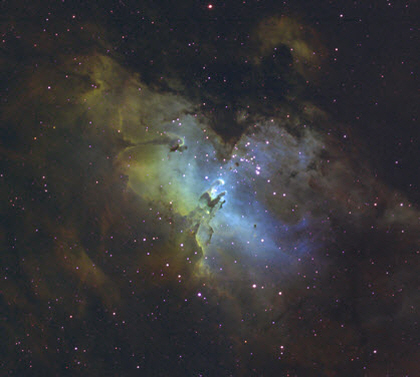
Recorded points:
(303, 41)
(75, 261)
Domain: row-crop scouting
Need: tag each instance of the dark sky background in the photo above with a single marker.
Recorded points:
(208, 188)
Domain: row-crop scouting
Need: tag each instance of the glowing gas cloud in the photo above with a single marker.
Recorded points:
(241, 199)
(263, 198)
(189, 191)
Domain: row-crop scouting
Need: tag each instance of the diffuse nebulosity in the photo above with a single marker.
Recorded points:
(226, 204)
(257, 222)
(268, 196)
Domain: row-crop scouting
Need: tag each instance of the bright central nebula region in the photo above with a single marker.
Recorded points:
(247, 190)
(257, 210)
(241, 208)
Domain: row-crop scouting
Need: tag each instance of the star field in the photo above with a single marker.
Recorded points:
(209, 189)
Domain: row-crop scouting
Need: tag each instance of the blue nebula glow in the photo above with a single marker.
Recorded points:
(251, 202)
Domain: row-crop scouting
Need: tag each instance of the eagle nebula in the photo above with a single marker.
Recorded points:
(209, 189)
